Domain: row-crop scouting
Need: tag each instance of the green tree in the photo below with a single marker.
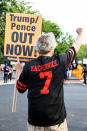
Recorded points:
(64, 42)
(48, 26)
(82, 52)
(3, 9)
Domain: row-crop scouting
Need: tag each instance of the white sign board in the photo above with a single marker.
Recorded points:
(85, 61)
(79, 62)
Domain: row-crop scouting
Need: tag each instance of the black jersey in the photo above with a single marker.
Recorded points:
(43, 77)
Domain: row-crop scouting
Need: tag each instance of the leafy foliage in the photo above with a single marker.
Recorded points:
(64, 42)
(82, 52)
(48, 26)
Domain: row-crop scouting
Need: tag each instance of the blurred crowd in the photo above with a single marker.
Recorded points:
(78, 70)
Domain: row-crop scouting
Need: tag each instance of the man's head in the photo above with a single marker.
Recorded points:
(46, 43)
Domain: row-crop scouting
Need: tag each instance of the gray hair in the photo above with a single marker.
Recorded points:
(46, 43)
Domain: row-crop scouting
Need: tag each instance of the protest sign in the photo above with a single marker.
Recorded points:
(78, 73)
(21, 33)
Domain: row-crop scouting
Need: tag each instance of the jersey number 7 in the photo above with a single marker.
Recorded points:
(45, 89)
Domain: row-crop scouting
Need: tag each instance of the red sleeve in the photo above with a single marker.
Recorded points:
(68, 57)
(22, 83)
(21, 87)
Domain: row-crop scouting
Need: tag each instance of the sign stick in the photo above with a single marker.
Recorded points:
(14, 99)
(15, 93)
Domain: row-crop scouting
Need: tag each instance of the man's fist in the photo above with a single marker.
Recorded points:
(79, 31)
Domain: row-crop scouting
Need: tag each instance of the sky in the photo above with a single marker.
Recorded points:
(68, 14)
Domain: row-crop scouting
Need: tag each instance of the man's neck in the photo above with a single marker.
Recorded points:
(47, 54)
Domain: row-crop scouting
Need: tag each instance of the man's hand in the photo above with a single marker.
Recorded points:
(79, 31)
(19, 68)
(18, 65)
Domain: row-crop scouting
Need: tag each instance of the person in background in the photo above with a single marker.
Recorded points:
(85, 73)
(44, 78)
(66, 74)
(6, 71)
(10, 72)
(0, 68)
(69, 72)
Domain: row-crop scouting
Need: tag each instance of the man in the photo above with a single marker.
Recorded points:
(6, 71)
(43, 77)
(10, 72)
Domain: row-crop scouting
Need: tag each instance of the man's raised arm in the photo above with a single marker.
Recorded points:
(77, 43)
